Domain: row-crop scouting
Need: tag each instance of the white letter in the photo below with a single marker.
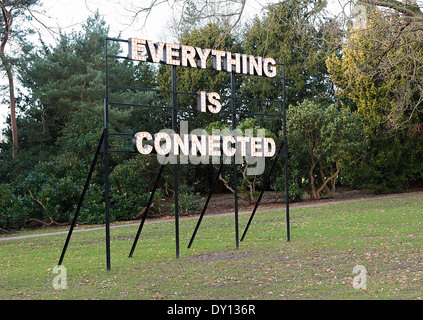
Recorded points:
(177, 143)
(188, 54)
(137, 48)
(243, 141)
(214, 142)
(269, 72)
(199, 146)
(214, 307)
(215, 105)
(255, 144)
(167, 145)
(203, 56)
(229, 150)
(155, 51)
(217, 60)
(269, 147)
(170, 53)
(256, 67)
(245, 64)
(229, 62)
(139, 137)
(201, 101)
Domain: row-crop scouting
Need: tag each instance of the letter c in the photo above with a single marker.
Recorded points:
(139, 137)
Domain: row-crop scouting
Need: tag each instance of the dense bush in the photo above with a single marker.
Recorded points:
(320, 139)
(10, 208)
(391, 164)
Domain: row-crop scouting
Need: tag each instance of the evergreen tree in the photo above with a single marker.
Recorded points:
(294, 33)
(62, 123)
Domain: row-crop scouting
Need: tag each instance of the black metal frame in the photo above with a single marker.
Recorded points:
(103, 147)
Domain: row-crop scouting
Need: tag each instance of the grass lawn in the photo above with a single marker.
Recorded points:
(384, 236)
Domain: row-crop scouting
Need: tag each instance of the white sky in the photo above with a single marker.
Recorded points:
(68, 15)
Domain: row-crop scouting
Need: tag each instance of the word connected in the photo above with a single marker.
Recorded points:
(208, 145)
(195, 57)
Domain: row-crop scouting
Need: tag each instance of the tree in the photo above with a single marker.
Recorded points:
(247, 180)
(380, 69)
(61, 123)
(193, 13)
(379, 72)
(11, 10)
(194, 80)
(295, 33)
(323, 136)
(406, 8)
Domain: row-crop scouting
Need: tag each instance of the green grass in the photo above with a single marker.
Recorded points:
(327, 242)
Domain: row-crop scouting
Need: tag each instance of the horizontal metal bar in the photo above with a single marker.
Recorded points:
(122, 151)
(132, 134)
(253, 99)
(114, 86)
(254, 114)
(193, 110)
(187, 93)
(147, 106)
(118, 57)
(137, 105)
(116, 39)
(121, 134)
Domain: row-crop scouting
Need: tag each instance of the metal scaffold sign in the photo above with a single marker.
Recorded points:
(175, 145)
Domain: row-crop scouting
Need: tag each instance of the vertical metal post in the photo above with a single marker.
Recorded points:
(285, 141)
(175, 166)
(235, 173)
(106, 195)
(106, 160)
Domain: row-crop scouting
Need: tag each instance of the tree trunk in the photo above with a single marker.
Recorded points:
(333, 176)
(322, 176)
(13, 112)
(314, 194)
(8, 20)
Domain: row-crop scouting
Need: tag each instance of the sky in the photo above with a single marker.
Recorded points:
(68, 15)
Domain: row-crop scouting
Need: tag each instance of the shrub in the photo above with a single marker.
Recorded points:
(188, 201)
(11, 215)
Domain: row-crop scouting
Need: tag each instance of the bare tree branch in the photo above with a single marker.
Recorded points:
(410, 10)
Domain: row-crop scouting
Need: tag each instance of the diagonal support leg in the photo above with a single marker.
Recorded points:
(146, 211)
(81, 199)
(262, 191)
(205, 206)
